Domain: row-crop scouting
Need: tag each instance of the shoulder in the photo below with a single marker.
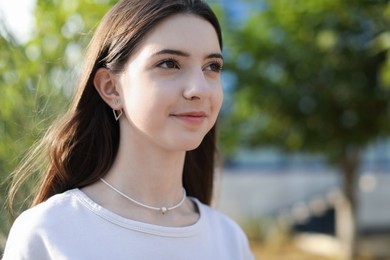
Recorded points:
(51, 209)
(220, 224)
(30, 230)
(218, 219)
(47, 213)
(225, 231)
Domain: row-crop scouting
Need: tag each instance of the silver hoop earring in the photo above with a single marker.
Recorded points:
(117, 113)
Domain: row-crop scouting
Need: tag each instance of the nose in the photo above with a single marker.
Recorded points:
(196, 86)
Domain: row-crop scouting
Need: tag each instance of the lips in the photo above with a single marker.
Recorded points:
(193, 117)
(191, 114)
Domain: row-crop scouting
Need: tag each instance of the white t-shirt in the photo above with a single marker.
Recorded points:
(72, 226)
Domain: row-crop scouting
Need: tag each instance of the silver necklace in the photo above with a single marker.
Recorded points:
(163, 210)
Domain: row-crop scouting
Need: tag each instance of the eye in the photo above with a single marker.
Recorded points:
(168, 64)
(214, 66)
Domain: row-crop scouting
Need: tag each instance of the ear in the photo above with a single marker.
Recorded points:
(105, 84)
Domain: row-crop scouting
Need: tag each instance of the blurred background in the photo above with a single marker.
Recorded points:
(304, 129)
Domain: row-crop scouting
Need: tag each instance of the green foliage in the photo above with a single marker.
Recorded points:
(311, 75)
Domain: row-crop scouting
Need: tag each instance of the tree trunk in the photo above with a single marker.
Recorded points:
(346, 208)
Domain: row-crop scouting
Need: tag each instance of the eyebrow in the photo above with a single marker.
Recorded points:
(215, 56)
(185, 54)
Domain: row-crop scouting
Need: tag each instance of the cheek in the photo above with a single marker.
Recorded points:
(147, 107)
(140, 104)
(218, 99)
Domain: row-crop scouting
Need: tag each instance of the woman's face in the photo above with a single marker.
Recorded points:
(171, 88)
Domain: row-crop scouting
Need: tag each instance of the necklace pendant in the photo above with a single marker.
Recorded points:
(164, 210)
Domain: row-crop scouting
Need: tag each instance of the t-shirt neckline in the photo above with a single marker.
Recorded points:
(113, 218)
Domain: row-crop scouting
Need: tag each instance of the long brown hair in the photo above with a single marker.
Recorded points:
(82, 145)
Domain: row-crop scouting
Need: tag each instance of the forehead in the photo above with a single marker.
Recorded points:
(185, 32)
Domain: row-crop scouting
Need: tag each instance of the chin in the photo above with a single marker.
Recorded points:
(191, 145)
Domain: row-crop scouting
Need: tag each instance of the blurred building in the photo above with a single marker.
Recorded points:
(302, 190)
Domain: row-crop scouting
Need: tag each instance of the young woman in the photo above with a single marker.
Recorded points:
(130, 167)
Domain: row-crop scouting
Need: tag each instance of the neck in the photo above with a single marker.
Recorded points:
(148, 174)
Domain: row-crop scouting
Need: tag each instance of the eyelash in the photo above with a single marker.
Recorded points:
(218, 65)
(165, 61)
(175, 63)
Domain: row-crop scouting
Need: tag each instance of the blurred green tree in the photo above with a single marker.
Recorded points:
(313, 76)
(37, 78)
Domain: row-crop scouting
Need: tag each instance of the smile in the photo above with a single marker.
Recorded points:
(191, 117)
